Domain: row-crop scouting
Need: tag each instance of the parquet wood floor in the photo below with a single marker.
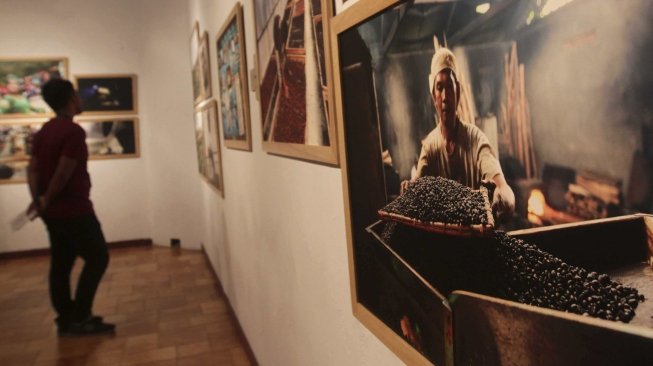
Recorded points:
(166, 305)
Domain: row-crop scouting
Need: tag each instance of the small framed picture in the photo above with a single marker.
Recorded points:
(195, 72)
(204, 68)
(106, 138)
(107, 94)
(111, 138)
(21, 80)
(207, 138)
(232, 77)
(15, 150)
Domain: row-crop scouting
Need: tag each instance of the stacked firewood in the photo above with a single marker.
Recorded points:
(515, 121)
(592, 196)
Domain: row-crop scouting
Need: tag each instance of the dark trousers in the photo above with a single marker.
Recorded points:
(69, 238)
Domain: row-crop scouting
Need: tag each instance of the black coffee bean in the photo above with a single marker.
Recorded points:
(538, 278)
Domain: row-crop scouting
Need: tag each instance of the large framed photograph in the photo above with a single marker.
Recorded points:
(207, 138)
(111, 138)
(107, 94)
(21, 80)
(15, 150)
(232, 75)
(294, 76)
(569, 125)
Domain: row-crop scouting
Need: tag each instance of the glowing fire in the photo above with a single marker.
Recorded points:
(536, 202)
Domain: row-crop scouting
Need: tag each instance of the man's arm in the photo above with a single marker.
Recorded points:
(65, 168)
(503, 199)
(32, 181)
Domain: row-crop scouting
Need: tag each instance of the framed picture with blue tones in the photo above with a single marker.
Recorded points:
(232, 78)
(107, 94)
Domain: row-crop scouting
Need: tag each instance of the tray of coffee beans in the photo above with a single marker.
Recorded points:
(444, 206)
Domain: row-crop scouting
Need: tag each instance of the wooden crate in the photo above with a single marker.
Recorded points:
(470, 325)
(493, 331)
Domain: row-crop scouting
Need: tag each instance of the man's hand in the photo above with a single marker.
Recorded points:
(404, 186)
(43, 203)
(33, 210)
(503, 199)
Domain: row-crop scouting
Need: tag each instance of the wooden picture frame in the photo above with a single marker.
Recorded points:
(195, 71)
(111, 138)
(107, 94)
(291, 126)
(15, 149)
(21, 79)
(341, 5)
(497, 86)
(106, 138)
(204, 68)
(232, 81)
(356, 14)
(207, 138)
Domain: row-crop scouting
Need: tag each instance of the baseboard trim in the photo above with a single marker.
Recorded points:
(46, 251)
(232, 314)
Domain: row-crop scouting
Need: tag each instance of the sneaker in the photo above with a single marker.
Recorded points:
(88, 327)
(63, 325)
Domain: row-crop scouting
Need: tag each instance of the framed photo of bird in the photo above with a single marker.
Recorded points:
(107, 93)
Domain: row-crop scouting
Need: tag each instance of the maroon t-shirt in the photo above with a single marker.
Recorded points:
(62, 137)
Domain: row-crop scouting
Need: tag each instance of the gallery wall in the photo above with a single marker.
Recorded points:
(146, 197)
(277, 242)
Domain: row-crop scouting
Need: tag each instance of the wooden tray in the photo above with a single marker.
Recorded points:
(447, 228)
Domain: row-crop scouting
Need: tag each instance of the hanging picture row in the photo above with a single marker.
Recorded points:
(106, 138)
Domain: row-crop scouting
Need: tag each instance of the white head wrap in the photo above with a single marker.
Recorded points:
(443, 59)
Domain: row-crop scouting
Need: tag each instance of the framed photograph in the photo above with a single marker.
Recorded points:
(106, 138)
(294, 76)
(204, 68)
(15, 150)
(21, 80)
(232, 75)
(111, 138)
(568, 157)
(209, 158)
(195, 72)
(107, 94)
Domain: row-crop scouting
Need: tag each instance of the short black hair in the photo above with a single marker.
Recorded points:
(57, 93)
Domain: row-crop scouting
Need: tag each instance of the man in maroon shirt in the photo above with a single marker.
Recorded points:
(60, 188)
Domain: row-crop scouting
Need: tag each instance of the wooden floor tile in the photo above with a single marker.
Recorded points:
(165, 303)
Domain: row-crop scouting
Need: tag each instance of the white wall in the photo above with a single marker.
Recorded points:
(277, 239)
(173, 180)
(278, 244)
(156, 195)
